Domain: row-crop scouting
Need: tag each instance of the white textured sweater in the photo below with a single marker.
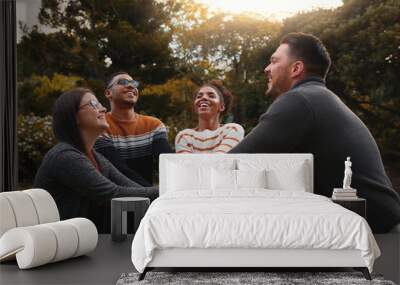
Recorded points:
(220, 140)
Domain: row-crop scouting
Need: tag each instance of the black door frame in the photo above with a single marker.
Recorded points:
(8, 97)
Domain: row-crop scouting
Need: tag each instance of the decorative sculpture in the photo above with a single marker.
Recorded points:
(347, 174)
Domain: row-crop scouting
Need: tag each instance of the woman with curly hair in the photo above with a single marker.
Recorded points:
(211, 101)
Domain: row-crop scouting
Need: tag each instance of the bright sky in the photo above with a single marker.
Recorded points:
(277, 9)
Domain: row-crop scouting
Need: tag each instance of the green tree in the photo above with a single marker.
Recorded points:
(94, 38)
(172, 103)
(230, 47)
(38, 93)
(35, 138)
(226, 42)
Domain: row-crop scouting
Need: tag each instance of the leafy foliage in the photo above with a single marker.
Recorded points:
(172, 46)
(38, 93)
(172, 103)
(95, 38)
(35, 138)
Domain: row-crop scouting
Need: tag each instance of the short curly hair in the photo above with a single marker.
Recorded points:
(224, 94)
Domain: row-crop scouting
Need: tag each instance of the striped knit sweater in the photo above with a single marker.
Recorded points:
(220, 140)
(138, 142)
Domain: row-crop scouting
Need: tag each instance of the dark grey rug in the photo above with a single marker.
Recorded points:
(269, 278)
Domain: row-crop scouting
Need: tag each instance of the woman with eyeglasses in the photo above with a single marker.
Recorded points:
(211, 101)
(82, 181)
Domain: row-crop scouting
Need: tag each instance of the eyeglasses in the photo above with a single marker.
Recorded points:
(96, 105)
(125, 82)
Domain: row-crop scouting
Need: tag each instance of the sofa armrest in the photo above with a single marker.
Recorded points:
(41, 244)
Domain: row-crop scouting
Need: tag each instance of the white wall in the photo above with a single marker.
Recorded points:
(27, 13)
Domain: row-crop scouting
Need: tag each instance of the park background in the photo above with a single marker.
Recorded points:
(172, 46)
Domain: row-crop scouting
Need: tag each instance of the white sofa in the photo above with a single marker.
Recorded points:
(31, 231)
(247, 210)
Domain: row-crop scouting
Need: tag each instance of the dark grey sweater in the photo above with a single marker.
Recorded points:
(80, 190)
(311, 119)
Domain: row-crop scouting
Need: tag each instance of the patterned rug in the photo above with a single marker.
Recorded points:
(242, 278)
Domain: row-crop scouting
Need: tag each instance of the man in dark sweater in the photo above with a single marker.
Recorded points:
(306, 117)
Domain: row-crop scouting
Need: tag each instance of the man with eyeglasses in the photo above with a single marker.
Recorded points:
(133, 141)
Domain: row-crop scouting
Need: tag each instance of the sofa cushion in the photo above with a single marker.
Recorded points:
(23, 208)
(7, 220)
(31, 232)
(45, 205)
(40, 244)
(26, 208)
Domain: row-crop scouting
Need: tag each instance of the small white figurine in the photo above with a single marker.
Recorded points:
(347, 174)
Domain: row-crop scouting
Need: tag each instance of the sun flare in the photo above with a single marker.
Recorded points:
(271, 8)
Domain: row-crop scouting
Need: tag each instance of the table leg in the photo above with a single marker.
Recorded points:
(116, 222)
